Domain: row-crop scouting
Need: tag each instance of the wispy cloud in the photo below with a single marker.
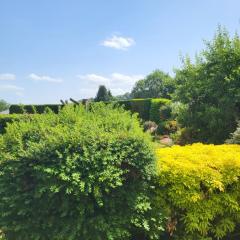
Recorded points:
(118, 42)
(44, 78)
(117, 82)
(7, 76)
(94, 78)
(12, 88)
(126, 78)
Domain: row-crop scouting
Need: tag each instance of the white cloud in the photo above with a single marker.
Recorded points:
(126, 78)
(118, 83)
(44, 78)
(117, 91)
(11, 88)
(7, 76)
(94, 78)
(118, 42)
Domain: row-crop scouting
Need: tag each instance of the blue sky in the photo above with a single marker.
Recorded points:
(57, 49)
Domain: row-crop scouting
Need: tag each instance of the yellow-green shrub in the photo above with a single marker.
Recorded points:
(199, 187)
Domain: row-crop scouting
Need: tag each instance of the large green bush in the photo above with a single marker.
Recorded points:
(77, 175)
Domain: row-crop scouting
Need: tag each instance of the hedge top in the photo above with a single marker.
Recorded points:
(148, 108)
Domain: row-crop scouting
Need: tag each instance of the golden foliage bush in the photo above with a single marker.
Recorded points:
(199, 188)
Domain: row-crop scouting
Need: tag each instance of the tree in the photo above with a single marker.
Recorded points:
(103, 94)
(3, 105)
(209, 89)
(125, 96)
(156, 85)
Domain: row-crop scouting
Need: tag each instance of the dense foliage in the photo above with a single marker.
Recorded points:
(209, 90)
(199, 188)
(5, 119)
(156, 85)
(157, 110)
(77, 175)
(148, 109)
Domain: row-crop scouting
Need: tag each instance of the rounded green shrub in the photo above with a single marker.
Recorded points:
(76, 175)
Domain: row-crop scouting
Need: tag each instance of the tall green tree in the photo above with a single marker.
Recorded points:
(209, 89)
(103, 94)
(3, 105)
(156, 85)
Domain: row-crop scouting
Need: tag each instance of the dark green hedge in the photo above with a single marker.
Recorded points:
(155, 109)
(19, 109)
(140, 106)
(160, 110)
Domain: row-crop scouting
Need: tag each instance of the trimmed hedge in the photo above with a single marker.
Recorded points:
(155, 109)
(199, 188)
(142, 107)
(160, 110)
(77, 175)
(20, 109)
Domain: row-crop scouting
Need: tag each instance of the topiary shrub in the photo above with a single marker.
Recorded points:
(199, 188)
(77, 175)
